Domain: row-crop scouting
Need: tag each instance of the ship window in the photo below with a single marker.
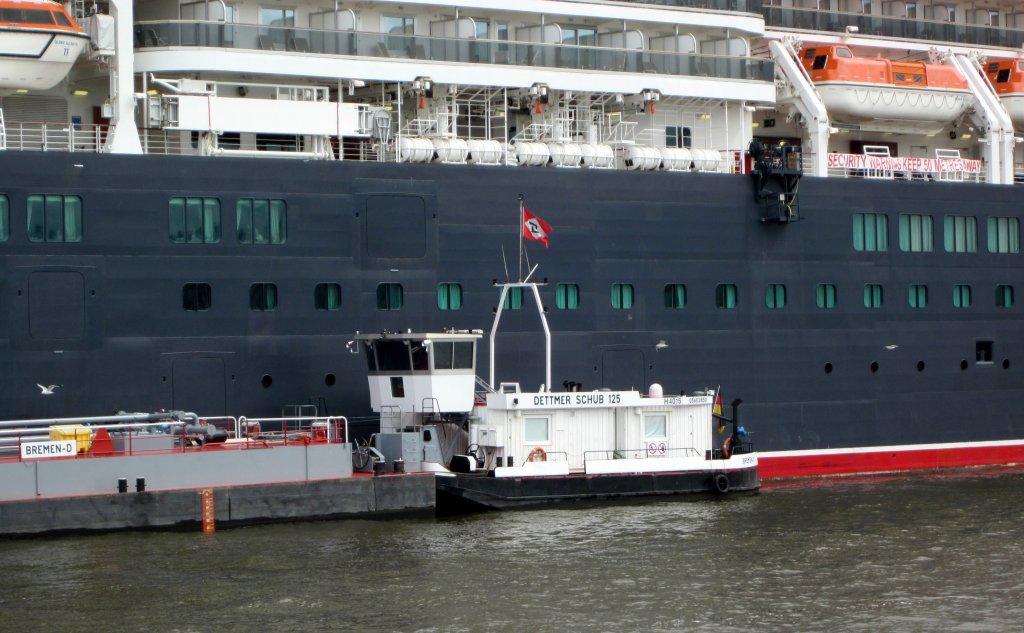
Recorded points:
(392, 355)
(1020, 65)
(915, 233)
(819, 62)
(263, 297)
(809, 53)
(196, 297)
(262, 221)
(622, 296)
(678, 136)
(229, 140)
(449, 296)
(1004, 296)
(327, 296)
(399, 26)
(983, 351)
(655, 426)
(675, 296)
(917, 296)
(1003, 235)
(845, 52)
(61, 18)
(463, 355)
(442, 354)
(26, 16)
(5, 219)
(397, 387)
(389, 296)
(961, 296)
(960, 234)
(513, 299)
(536, 429)
(725, 296)
(872, 295)
(775, 296)
(420, 358)
(194, 220)
(993, 67)
(54, 218)
(911, 10)
(567, 296)
(826, 296)
(1003, 76)
(870, 232)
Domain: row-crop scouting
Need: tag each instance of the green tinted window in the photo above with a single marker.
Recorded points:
(327, 297)
(775, 296)
(870, 232)
(513, 299)
(261, 221)
(449, 296)
(1003, 235)
(917, 296)
(872, 296)
(5, 219)
(389, 296)
(826, 296)
(622, 296)
(725, 296)
(961, 296)
(194, 220)
(53, 218)
(675, 296)
(567, 296)
(915, 233)
(263, 297)
(1004, 296)
(960, 234)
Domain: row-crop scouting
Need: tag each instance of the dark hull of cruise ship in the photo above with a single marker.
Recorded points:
(104, 318)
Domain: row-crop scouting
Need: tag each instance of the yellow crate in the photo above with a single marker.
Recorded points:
(76, 432)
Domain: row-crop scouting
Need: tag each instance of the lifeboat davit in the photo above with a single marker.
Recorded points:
(1007, 77)
(39, 42)
(867, 88)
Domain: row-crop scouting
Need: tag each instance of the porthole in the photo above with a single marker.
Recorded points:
(963, 365)
(828, 368)
(920, 365)
(329, 380)
(266, 381)
(1006, 363)
(874, 367)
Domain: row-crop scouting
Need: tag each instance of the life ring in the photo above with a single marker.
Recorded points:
(721, 483)
(727, 448)
(537, 455)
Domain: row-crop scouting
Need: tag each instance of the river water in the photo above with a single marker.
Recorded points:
(927, 553)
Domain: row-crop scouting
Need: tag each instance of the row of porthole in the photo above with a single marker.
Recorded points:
(268, 380)
(920, 365)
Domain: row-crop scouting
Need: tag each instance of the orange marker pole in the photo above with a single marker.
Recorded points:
(209, 516)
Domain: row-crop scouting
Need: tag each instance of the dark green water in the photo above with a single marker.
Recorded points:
(937, 553)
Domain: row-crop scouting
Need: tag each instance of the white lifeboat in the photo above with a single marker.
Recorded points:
(866, 88)
(1007, 78)
(39, 42)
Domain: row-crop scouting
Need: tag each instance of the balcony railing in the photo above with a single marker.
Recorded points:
(150, 35)
(745, 6)
(928, 30)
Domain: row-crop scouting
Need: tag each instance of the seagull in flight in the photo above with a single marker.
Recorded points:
(47, 390)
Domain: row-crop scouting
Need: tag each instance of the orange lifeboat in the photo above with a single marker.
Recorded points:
(1007, 77)
(39, 42)
(867, 88)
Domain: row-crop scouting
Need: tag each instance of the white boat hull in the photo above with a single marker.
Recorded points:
(37, 60)
(1014, 104)
(858, 101)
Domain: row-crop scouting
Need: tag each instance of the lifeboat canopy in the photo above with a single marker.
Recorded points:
(39, 42)
(1007, 78)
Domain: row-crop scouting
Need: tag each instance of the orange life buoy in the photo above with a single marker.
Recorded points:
(538, 455)
(727, 447)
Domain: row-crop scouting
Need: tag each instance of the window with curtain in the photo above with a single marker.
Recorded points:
(826, 296)
(1003, 235)
(193, 220)
(567, 296)
(915, 233)
(263, 297)
(725, 296)
(1004, 296)
(775, 296)
(262, 221)
(872, 295)
(327, 296)
(5, 219)
(961, 296)
(917, 296)
(870, 232)
(513, 299)
(449, 296)
(389, 296)
(622, 296)
(960, 234)
(54, 218)
(675, 296)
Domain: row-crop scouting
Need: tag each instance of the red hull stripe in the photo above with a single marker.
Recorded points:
(776, 465)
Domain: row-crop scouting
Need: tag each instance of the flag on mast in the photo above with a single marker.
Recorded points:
(535, 228)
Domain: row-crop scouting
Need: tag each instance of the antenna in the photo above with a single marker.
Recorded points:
(504, 262)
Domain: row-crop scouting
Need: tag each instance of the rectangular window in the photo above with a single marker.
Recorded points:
(961, 296)
(960, 234)
(389, 296)
(399, 26)
(725, 296)
(196, 297)
(1004, 296)
(194, 220)
(675, 296)
(536, 430)
(327, 296)
(915, 233)
(775, 296)
(872, 295)
(262, 221)
(263, 297)
(655, 426)
(826, 296)
(567, 296)
(5, 219)
(54, 218)
(513, 299)
(449, 296)
(1003, 235)
(917, 296)
(678, 136)
(870, 232)
(453, 354)
(622, 296)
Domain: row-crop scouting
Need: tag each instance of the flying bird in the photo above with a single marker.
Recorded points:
(47, 390)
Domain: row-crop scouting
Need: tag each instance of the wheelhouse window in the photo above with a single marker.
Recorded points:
(327, 296)
(917, 296)
(263, 297)
(567, 296)
(915, 233)
(262, 221)
(453, 354)
(825, 296)
(194, 220)
(5, 218)
(1004, 296)
(196, 297)
(675, 296)
(1003, 235)
(622, 296)
(872, 295)
(449, 296)
(870, 232)
(960, 234)
(775, 296)
(513, 299)
(678, 136)
(54, 218)
(725, 296)
(655, 426)
(961, 296)
(389, 296)
(536, 429)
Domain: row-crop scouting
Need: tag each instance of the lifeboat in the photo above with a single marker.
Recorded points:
(39, 42)
(867, 88)
(1007, 78)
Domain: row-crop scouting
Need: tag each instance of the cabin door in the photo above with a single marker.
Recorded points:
(623, 369)
(198, 385)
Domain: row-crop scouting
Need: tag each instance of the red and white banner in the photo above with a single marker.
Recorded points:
(903, 163)
(535, 229)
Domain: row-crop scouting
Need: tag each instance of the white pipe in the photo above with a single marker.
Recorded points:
(124, 136)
